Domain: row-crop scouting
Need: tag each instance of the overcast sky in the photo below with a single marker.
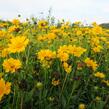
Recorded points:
(73, 10)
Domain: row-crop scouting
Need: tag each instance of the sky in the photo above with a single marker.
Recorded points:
(73, 10)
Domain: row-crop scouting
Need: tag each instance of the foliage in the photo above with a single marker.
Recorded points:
(45, 65)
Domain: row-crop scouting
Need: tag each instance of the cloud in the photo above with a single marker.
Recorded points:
(69, 9)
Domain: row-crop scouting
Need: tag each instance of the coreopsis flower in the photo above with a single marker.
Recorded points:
(65, 26)
(106, 82)
(1, 48)
(3, 24)
(63, 56)
(67, 67)
(56, 31)
(65, 51)
(46, 54)
(97, 30)
(42, 24)
(13, 28)
(104, 39)
(18, 44)
(11, 65)
(78, 32)
(77, 51)
(94, 24)
(46, 57)
(2, 88)
(91, 63)
(97, 49)
(63, 48)
(51, 36)
(16, 21)
(99, 75)
(41, 38)
(55, 82)
(5, 88)
(4, 52)
(95, 41)
(52, 27)
(2, 34)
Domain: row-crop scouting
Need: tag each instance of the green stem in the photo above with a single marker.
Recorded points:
(63, 84)
(21, 104)
(73, 89)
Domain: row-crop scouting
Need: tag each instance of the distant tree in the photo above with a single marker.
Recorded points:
(105, 25)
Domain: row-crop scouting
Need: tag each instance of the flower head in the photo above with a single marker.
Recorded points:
(91, 63)
(55, 82)
(99, 75)
(11, 65)
(46, 54)
(5, 88)
(17, 44)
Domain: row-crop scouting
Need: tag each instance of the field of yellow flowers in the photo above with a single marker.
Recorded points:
(47, 65)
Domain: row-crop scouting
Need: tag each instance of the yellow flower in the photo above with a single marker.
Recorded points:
(106, 82)
(2, 88)
(55, 82)
(51, 36)
(82, 106)
(91, 63)
(63, 56)
(77, 51)
(97, 49)
(46, 57)
(5, 88)
(67, 67)
(52, 27)
(77, 23)
(2, 34)
(46, 54)
(99, 75)
(17, 44)
(11, 65)
(78, 33)
(4, 52)
(16, 21)
(94, 24)
(95, 41)
(64, 52)
(42, 24)
(64, 49)
(41, 38)
(3, 24)
(13, 28)
(97, 29)
(103, 39)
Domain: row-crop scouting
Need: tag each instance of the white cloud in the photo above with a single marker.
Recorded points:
(69, 9)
